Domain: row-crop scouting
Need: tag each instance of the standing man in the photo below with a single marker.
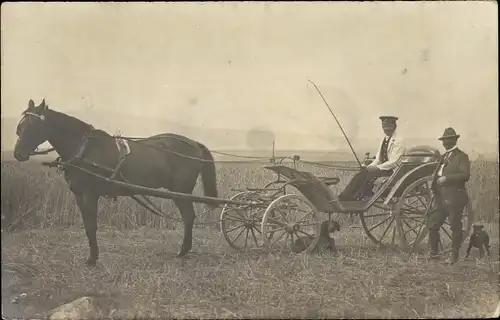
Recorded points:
(390, 150)
(448, 184)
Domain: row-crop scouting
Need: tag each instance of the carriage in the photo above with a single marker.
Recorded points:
(393, 216)
(272, 217)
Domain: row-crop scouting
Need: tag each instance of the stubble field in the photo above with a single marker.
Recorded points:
(44, 246)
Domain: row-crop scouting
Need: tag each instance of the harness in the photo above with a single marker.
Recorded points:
(123, 151)
(121, 144)
(79, 152)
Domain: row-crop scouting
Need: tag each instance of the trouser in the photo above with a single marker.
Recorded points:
(452, 211)
(361, 184)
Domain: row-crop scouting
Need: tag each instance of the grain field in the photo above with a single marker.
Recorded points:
(138, 276)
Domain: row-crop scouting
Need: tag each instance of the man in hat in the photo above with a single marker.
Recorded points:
(448, 184)
(390, 150)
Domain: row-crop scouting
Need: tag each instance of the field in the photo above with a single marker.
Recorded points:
(44, 245)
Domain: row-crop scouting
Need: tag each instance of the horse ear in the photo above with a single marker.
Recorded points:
(31, 104)
(43, 105)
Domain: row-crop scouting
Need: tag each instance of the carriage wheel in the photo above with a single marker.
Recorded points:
(411, 208)
(379, 225)
(274, 185)
(289, 220)
(240, 225)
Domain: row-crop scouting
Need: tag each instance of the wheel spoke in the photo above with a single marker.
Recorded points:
(275, 230)
(278, 239)
(233, 218)
(423, 204)
(414, 212)
(387, 229)
(255, 213)
(376, 215)
(304, 218)
(412, 207)
(276, 221)
(411, 228)
(447, 233)
(378, 224)
(283, 215)
(237, 227)
(246, 237)
(416, 219)
(285, 243)
(234, 240)
(305, 224)
(256, 229)
(254, 237)
(393, 236)
(307, 234)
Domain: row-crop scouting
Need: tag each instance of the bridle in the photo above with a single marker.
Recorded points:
(42, 118)
(39, 116)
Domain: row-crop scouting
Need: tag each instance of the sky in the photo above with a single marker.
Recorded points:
(242, 66)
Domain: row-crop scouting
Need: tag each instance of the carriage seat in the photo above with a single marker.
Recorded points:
(330, 181)
(412, 157)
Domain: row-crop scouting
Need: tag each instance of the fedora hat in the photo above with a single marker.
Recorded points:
(449, 133)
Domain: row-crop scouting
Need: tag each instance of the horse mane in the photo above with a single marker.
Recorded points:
(63, 118)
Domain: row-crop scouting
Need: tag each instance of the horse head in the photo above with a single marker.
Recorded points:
(31, 131)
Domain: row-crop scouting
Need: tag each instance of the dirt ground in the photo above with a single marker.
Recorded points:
(138, 275)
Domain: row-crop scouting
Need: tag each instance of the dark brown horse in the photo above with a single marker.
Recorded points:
(165, 161)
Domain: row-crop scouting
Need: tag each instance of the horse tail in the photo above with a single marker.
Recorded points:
(208, 173)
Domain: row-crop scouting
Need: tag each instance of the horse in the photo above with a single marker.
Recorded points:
(166, 160)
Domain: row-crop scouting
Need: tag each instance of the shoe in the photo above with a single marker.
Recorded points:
(452, 259)
(456, 242)
(433, 256)
(434, 244)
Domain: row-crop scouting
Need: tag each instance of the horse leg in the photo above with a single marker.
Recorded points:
(187, 212)
(88, 208)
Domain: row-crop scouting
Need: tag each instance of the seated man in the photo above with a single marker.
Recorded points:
(388, 154)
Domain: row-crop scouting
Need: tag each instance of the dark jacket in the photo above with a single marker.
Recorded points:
(457, 172)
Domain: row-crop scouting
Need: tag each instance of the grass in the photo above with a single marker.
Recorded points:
(139, 276)
(37, 197)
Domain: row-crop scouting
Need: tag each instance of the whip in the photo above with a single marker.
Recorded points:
(340, 126)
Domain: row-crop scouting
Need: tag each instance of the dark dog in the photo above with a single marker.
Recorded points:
(325, 241)
(480, 240)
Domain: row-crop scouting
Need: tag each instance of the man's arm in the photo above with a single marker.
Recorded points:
(376, 161)
(398, 149)
(462, 172)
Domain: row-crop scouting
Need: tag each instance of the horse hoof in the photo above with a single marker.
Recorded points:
(90, 263)
(183, 252)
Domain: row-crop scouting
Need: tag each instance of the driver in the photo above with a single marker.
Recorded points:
(390, 150)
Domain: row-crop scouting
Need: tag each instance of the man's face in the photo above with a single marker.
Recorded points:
(388, 128)
(449, 143)
(477, 229)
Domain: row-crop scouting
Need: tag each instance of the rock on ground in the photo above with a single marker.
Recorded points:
(496, 314)
(82, 308)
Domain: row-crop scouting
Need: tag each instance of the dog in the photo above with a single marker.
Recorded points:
(325, 241)
(479, 239)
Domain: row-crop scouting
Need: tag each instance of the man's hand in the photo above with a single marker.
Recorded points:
(372, 168)
(441, 180)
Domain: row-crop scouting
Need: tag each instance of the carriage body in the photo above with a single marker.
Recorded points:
(391, 208)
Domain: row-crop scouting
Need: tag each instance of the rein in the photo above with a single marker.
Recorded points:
(83, 143)
(46, 151)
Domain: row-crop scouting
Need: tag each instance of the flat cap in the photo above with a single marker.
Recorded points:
(389, 118)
